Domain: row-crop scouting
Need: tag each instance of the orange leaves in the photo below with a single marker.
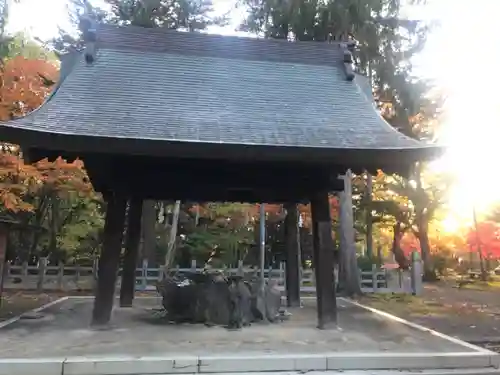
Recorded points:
(16, 179)
(24, 85)
(62, 177)
(19, 181)
(14, 203)
(488, 235)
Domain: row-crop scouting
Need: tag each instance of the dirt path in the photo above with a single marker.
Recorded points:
(470, 315)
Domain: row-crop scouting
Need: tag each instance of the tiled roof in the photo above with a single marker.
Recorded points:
(199, 88)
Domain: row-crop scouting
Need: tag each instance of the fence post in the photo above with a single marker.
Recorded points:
(416, 274)
(193, 265)
(144, 274)
(77, 275)
(60, 275)
(6, 271)
(301, 276)
(240, 272)
(42, 265)
(95, 265)
(374, 278)
(24, 272)
(162, 271)
(282, 277)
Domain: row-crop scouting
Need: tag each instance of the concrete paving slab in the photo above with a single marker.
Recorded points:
(407, 361)
(140, 344)
(130, 365)
(38, 366)
(419, 327)
(64, 331)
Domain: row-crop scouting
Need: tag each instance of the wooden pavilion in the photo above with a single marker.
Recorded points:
(159, 114)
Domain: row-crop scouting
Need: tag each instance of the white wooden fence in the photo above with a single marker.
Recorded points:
(44, 277)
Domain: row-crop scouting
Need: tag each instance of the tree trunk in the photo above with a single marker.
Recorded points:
(109, 260)
(53, 225)
(423, 239)
(369, 219)
(42, 211)
(399, 256)
(197, 216)
(169, 257)
(423, 229)
(484, 275)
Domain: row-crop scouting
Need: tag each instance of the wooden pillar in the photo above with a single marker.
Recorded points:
(148, 232)
(133, 238)
(349, 263)
(3, 256)
(109, 259)
(292, 271)
(323, 248)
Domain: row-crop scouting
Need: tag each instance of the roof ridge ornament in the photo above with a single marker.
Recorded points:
(348, 49)
(88, 26)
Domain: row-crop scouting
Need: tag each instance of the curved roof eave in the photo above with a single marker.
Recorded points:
(324, 121)
(362, 158)
(68, 62)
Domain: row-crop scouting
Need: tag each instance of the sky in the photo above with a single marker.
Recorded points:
(460, 55)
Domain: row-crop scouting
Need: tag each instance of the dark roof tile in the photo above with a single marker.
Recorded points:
(190, 87)
(159, 40)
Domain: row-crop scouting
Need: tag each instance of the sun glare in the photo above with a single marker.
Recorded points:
(451, 224)
(39, 18)
(461, 56)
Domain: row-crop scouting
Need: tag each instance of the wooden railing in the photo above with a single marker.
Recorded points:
(43, 277)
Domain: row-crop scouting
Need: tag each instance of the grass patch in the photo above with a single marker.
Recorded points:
(19, 303)
(404, 305)
(486, 286)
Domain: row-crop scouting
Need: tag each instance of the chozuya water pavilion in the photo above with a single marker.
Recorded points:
(211, 118)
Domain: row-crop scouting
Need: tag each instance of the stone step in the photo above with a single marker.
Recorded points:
(466, 363)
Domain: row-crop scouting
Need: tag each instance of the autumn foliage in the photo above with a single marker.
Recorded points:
(488, 237)
(16, 180)
(24, 85)
(19, 181)
(277, 211)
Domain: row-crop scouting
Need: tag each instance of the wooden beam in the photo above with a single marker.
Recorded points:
(292, 255)
(219, 194)
(109, 260)
(323, 248)
(230, 180)
(127, 288)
